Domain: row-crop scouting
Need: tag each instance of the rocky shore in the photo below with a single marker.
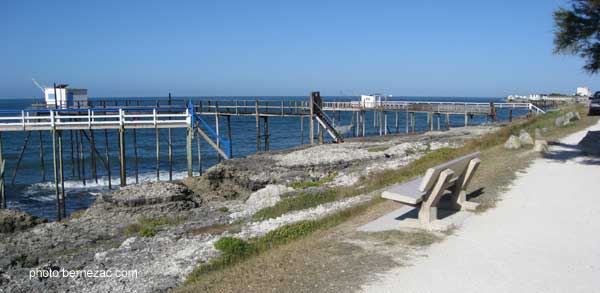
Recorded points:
(164, 230)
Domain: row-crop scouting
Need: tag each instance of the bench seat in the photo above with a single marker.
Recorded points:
(451, 177)
(408, 192)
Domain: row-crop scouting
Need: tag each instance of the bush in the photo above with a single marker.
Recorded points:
(234, 247)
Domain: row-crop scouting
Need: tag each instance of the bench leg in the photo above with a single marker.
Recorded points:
(459, 195)
(428, 211)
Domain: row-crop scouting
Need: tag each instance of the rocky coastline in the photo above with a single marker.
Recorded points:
(164, 230)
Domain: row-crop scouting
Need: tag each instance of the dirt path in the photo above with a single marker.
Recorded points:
(541, 237)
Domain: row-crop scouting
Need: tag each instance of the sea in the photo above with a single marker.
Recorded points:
(31, 187)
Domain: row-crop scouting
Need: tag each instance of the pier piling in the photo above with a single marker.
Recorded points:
(107, 153)
(42, 163)
(122, 164)
(2, 182)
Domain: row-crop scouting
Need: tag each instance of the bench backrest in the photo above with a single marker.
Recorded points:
(458, 166)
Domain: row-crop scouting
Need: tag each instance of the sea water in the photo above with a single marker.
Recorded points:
(29, 191)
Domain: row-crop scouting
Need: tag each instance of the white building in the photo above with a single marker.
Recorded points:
(64, 97)
(371, 101)
(584, 92)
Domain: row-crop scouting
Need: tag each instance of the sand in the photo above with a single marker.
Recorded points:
(542, 237)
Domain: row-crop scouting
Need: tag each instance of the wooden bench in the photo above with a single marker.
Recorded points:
(449, 178)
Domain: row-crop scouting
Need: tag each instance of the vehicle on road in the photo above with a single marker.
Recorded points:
(594, 108)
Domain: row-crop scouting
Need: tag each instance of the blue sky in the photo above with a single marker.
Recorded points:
(223, 48)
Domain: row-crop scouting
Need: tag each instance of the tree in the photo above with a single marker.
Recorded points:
(577, 32)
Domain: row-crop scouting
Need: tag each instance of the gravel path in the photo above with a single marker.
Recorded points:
(542, 237)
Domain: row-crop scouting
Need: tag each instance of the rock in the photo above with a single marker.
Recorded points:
(544, 130)
(590, 144)
(538, 133)
(540, 146)
(561, 121)
(147, 194)
(577, 116)
(13, 221)
(525, 138)
(513, 143)
(569, 116)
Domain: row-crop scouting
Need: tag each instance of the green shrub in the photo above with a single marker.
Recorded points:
(234, 247)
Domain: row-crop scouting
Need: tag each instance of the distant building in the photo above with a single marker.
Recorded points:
(584, 92)
(371, 101)
(65, 97)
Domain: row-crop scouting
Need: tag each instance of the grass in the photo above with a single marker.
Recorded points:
(146, 227)
(300, 202)
(223, 209)
(234, 251)
(307, 184)
(393, 237)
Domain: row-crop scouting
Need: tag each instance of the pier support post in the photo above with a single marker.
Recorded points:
(107, 155)
(82, 157)
(407, 120)
(42, 163)
(157, 137)
(266, 135)
(93, 156)
(170, 153)
(135, 157)
(319, 133)
(56, 188)
(122, 165)
(199, 151)
(62, 175)
(364, 123)
(430, 121)
(413, 121)
(77, 157)
(397, 125)
(229, 136)
(258, 126)
(447, 121)
(510, 115)
(217, 128)
(301, 130)
(439, 117)
(72, 154)
(466, 120)
(312, 120)
(188, 148)
(2, 182)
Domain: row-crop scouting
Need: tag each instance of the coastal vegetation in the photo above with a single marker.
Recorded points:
(577, 30)
(307, 184)
(489, 144)
(146, 227)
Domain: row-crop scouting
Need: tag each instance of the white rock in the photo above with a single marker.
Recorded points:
(513, 143)
(525, 138)
(540, 146)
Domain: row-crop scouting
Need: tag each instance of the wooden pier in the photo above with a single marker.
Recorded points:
(82, 124)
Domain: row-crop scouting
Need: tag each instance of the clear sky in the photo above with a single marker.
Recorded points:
(417, 48)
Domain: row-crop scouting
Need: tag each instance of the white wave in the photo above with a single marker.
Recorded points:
(44, 191)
